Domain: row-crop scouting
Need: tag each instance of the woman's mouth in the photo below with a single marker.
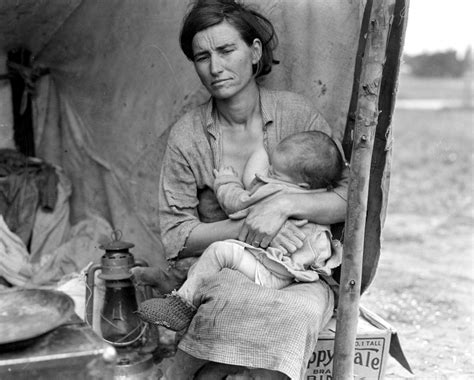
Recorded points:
(218, 82)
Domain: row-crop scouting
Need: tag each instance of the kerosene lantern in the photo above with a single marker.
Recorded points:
(119, 324)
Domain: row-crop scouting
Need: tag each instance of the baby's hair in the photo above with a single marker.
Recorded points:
(313, 157)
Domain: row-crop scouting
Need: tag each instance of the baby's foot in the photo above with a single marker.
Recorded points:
(172, 312)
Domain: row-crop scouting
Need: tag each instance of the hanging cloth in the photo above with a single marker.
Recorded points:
(25, 184)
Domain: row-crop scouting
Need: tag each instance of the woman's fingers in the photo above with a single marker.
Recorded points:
(265, 242)
(298, 222)
(283, 245)
(249, 236)
(260, 231)
(264, 221)
(253, 237)
(290, 237)
(243, 233)
(291, 228)
(137, 275)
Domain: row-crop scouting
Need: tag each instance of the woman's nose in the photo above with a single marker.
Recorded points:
(216, 65)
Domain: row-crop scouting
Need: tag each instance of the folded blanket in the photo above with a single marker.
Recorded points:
(245, 324)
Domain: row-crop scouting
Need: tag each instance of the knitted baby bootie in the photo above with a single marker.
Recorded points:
(172, 312)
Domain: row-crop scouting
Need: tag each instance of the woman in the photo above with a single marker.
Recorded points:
(230, 47)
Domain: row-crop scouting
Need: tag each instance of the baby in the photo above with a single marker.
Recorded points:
(301, 163)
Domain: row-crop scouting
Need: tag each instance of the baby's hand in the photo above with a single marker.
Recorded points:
(226, 170)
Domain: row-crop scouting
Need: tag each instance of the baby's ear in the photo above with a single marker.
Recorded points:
(304, 185)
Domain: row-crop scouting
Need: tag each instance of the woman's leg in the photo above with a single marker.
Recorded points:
(184, 367)
(219, 255)
(163, 280)
(187, 367)
(177, 310)
(279, 330)
(218, 371)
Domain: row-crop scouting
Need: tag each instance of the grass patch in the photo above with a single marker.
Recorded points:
(434, 88)
(424, 282)
(432, 167)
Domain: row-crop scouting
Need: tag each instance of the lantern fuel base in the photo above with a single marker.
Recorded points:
(119, 324)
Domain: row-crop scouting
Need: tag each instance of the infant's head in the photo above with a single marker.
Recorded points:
(310, 159)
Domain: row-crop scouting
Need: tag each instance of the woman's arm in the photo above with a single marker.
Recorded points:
(205, 234)
(267, 218)
(322, 208)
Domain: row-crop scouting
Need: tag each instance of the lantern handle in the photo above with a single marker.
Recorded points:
(116, 235)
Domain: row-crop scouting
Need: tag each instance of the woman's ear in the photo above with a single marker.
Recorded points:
(256, 50)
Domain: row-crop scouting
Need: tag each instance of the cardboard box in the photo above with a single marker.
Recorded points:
(371, 349)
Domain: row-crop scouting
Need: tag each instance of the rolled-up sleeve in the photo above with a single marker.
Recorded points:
(177, 201)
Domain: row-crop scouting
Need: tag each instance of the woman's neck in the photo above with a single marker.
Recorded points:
(241, 108)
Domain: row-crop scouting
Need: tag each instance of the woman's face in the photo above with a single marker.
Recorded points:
(223, 61)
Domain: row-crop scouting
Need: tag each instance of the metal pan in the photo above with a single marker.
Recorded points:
(29, 313)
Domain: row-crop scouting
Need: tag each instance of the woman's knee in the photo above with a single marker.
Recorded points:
(184, 367)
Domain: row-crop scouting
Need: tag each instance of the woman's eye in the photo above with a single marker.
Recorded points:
(200, 58)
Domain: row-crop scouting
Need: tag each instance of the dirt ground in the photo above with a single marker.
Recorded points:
(425, 281)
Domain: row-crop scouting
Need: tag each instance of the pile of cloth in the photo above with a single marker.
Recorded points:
(26, 183)
(38, 244)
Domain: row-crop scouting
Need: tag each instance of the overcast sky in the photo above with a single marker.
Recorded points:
(438, 25)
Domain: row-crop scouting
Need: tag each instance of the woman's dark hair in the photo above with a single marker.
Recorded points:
(248, 22)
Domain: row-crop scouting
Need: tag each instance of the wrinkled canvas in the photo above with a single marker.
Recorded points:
(118, 81)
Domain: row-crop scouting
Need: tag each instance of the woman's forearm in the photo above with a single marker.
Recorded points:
(205, 234)
(322, 208)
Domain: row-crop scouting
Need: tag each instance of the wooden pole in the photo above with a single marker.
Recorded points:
(382, 151)
(363, 141)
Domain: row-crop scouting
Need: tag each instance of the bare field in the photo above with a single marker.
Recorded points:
(424, 285)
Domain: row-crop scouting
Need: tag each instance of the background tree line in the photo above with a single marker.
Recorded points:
(440, 64)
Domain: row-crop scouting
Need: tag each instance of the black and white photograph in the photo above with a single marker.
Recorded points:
(236, 189)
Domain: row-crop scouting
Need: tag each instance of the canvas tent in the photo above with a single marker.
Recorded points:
(117, 81)
(107, 80)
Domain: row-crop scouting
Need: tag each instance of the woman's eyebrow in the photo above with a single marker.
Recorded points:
(226, 46)
(218, 48)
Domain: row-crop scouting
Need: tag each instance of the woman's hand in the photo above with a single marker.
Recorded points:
(145, 275)
(290, 237)
(262, 223)
(267, 220)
